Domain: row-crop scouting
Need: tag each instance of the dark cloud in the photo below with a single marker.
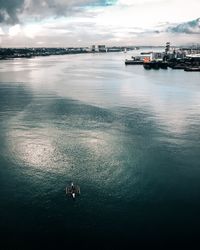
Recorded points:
(15, 11)
(9, 10)
(61, 7)
(192, 27)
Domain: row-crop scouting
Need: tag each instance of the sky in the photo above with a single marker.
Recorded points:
(80, 23)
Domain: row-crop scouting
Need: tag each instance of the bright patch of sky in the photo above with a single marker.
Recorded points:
(111, 22)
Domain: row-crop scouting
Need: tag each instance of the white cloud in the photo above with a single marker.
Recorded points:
(126, 22)
(138, 2)
(1, 32)
(32, 30)
(14, 30)
(149, 13)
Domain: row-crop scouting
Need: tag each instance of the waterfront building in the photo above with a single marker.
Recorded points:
(93, 48)
(102, 48)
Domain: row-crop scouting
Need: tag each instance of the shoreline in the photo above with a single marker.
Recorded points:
(12, 53)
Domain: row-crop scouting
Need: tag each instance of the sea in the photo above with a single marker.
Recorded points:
(129, 137)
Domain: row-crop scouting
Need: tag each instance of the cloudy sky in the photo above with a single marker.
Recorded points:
(86, 22)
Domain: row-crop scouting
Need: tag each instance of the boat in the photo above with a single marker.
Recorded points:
(147, 65)
(151, 65)
(146, 53)
(73, 190)
(163, 65)
(136, 60)
(155, 64)
(133, 62)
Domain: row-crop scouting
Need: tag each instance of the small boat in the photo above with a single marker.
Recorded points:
(73, 190)
(133, 62)
(146, 53)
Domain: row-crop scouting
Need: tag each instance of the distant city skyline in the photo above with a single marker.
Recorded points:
(59, 23)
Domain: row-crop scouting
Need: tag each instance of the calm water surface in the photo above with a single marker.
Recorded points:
(128, 136)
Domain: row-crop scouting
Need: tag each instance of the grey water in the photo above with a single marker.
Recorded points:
(129, 137)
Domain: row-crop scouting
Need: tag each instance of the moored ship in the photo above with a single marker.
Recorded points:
(155, 64)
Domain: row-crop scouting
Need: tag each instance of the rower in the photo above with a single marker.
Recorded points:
(73, 190)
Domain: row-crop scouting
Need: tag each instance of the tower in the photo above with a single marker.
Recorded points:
(167, 47)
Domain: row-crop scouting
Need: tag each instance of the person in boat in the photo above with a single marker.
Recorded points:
(73, 189)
